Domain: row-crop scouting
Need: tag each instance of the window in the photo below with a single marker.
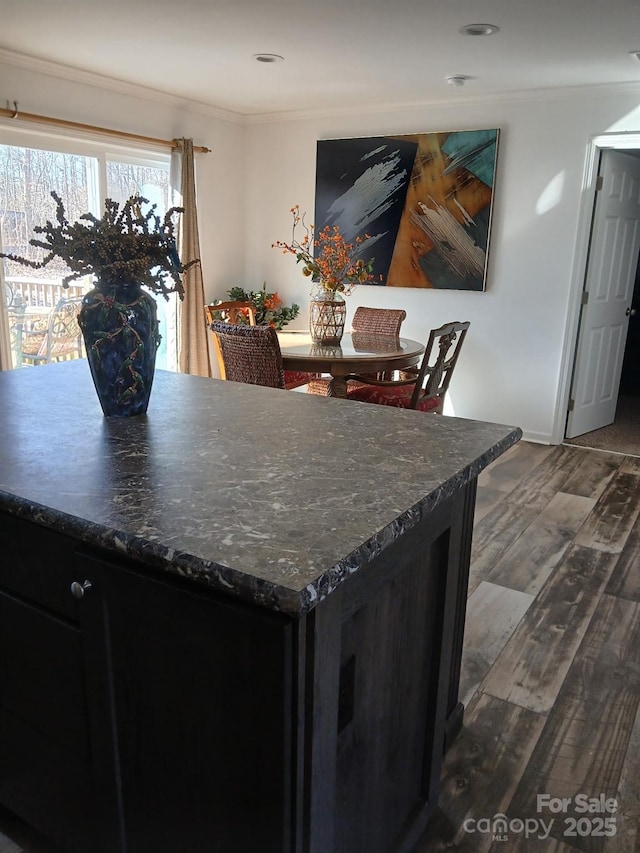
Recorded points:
(83, 173)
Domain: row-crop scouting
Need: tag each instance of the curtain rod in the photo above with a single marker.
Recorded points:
(74, 125)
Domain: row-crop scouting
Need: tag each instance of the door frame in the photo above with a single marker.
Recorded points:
(621, 141)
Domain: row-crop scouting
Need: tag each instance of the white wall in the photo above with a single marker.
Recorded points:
(134, 110)
(514, 366)
(517, 358)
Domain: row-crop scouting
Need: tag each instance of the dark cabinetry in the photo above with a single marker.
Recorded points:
(56, 746)
(202, 702)
(138, 717)
(150, 714)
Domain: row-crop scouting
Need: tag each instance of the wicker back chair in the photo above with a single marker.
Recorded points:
(378, 321)
(231, 312)
(228, 312)
(422, 388)
(370, 321)
(250, 354)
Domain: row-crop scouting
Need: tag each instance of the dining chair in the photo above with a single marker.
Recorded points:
(250, 354)
(422, 388)
(372, 321)
(230, 312)
(378, 321)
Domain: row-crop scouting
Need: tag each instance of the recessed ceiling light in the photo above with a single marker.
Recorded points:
(635, 53)
(457, 80)
(479, 29)
(268, 57)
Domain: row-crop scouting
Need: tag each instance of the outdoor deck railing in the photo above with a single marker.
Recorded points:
(32, 325)
(38, 292)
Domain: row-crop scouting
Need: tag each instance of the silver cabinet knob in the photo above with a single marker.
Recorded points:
(77, 589)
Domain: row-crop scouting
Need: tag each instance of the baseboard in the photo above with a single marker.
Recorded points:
(538, 437)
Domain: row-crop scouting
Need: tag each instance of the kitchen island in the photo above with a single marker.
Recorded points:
(233, 624)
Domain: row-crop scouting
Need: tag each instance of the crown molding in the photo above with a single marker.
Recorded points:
(122, 87)
(455, 100)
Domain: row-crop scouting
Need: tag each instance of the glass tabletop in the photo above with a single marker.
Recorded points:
(355, 346)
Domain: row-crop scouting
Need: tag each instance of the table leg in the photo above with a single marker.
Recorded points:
(337, 387)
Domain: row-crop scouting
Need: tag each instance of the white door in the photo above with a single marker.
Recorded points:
(611, 268)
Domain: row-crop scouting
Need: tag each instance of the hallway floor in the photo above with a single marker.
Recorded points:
(622, 436)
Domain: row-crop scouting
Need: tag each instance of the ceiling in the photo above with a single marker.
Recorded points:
(338, 54)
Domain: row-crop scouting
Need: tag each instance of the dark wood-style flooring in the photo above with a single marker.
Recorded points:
(551, 667)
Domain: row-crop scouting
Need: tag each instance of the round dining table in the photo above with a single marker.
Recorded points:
(357, 352)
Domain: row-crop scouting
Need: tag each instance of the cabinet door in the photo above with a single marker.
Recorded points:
(203, 696)
(44, 747)
(54, 731)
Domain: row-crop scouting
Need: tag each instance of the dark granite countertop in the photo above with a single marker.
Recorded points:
(273, 496)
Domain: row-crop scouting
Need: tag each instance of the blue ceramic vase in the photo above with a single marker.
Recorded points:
(120, 329)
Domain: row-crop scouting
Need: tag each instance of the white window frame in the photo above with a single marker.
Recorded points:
(102, 149)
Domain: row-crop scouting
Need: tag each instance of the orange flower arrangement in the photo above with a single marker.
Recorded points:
(334, 262)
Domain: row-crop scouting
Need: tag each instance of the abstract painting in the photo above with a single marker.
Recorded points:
(424, 199)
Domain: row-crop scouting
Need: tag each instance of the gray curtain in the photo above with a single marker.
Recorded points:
(193, 335)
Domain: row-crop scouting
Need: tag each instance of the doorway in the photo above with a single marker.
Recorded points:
(608, 336)
(630, 377)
